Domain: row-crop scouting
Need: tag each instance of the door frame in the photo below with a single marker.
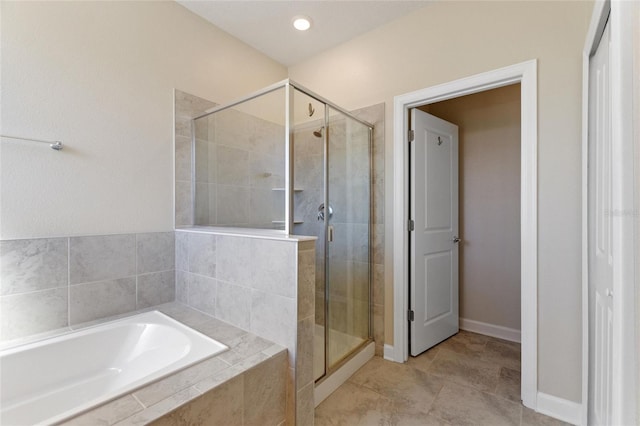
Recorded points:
(624, 390)
(524, 73)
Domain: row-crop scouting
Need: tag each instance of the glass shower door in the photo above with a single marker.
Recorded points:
(347, 221)
(307, 136)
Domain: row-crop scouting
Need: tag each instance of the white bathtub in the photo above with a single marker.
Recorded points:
(54, 379)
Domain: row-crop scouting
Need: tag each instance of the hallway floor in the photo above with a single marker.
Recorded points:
(469, 379)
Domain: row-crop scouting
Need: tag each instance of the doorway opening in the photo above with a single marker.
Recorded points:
(489, 208)
(525, 75)
(468, 279)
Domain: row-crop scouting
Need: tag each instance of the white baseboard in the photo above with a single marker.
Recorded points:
(498, 331)
(561, 409)
(389, 353)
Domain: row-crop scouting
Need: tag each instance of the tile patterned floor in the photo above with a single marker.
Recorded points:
(469, 379)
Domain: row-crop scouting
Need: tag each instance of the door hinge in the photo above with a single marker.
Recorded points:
(412, 135)
(410, 315)
(411, 225)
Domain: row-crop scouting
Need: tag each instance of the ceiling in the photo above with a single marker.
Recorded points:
(267, 24)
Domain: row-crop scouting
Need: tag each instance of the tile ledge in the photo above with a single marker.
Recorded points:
(266, 234)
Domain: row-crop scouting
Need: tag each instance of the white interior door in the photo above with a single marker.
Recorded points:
(434, 249)
(600, 220)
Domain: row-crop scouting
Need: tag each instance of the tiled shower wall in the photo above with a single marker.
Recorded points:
(53, 283)
(308, 178)
(375, 115)
(348, 192)
(239, 165)
(307, 174)
(186, 106)
(239, 169)
(348, 267)
(264, 286)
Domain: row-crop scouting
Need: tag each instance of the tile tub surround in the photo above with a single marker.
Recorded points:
(260, 282)
(245, 385)
(52, 283)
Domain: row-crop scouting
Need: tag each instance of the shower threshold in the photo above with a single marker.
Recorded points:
(344, 369)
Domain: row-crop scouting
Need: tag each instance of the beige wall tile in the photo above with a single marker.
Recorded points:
(29, 313)
(102, 257)
(164, 388)
(306, 283)
(265, 391)
(274, 317)
(155, 252)
(91, 301)
(31, 265)
(202, 254)
(218, 406)
(304, 352)
(305, 406)
(155, 288)
(109, 413)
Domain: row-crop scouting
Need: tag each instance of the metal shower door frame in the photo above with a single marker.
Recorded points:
(287, 85)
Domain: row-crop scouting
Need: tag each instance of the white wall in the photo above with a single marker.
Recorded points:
(449, 40)
(100, 77)
(489, 138)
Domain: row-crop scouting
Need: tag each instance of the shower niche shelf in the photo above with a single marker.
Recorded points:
(282, 189)
(281, 222)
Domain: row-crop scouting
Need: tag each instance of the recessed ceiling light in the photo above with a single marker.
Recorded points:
(301, 23)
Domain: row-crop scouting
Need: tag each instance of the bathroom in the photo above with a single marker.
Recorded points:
(119, 221)
(103, 78)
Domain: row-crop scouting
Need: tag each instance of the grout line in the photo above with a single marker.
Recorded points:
(102, 281)
(139, 402)
(444, 382)
(435, 356)
(68, 281)
(36, 291)
(136, 262)
(187, 283)
(157, 272)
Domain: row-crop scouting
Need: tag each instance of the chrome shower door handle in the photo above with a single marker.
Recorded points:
(330, 233)
(456, 239)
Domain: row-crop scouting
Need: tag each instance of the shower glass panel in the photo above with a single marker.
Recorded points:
(288, 160)
(348, 247)
(331, 168)
(307, 136)
(239, 159)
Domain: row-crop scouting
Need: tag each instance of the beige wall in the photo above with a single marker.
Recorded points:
(449, 40)
(489, 138)
(100, 77)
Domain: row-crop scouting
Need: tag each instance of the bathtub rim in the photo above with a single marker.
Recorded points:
(99, 401)
(36, 340)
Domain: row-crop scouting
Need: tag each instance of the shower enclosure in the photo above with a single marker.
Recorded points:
(288, 161)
